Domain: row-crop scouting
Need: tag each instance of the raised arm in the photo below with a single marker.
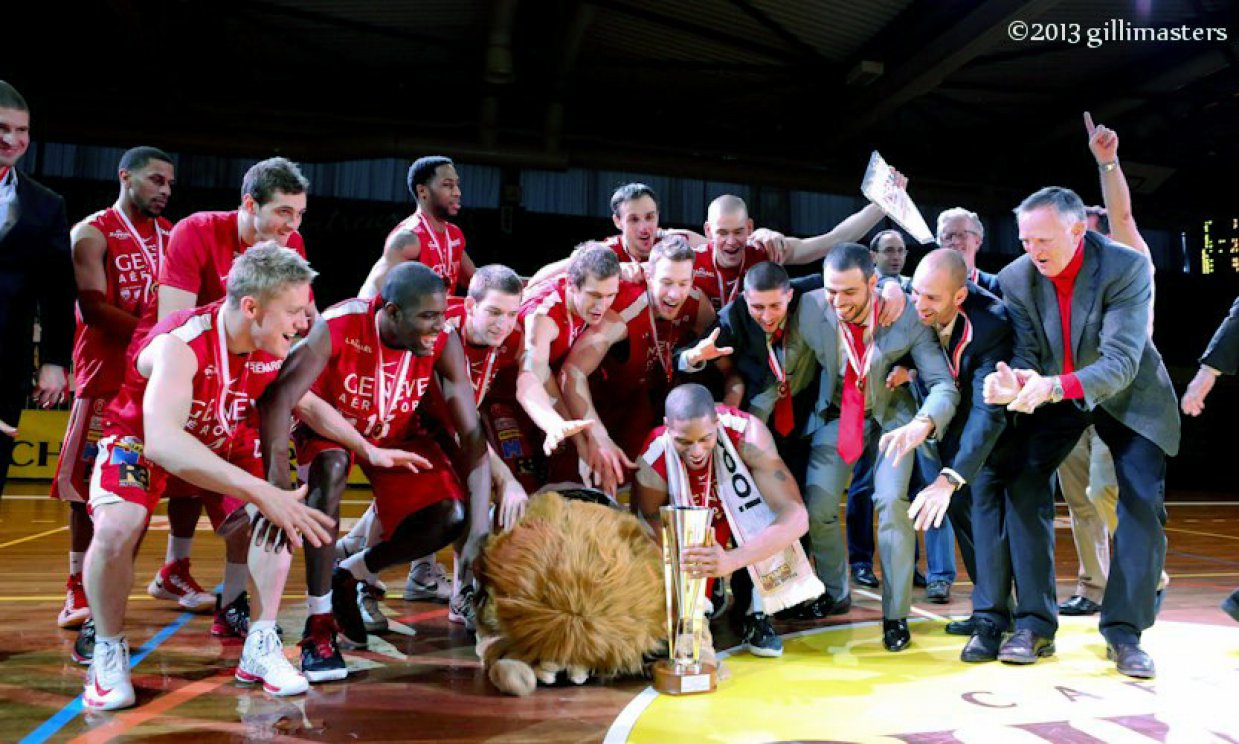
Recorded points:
(402, 245)
(1103, 142)
(852, 229)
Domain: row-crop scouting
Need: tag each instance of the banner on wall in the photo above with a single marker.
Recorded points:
(41, 433)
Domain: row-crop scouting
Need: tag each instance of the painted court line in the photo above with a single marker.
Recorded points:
(62, 717)
(36, 536)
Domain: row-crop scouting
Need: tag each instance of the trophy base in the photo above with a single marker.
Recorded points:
(670, 681)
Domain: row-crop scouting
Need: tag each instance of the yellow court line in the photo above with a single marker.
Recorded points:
(28, 538)
(1168, 529)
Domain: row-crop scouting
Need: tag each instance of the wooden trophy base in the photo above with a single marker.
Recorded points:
(669, 681)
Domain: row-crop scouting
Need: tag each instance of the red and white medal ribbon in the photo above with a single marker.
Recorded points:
(482, 386)
(952, 358)
(384, 407)
(724, 296)
(152, 261)
(443, 257)
(225, 374)
(773, 358)
(665, 362)
(859, 362)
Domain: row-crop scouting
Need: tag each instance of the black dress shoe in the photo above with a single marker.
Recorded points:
(1131, 660)
(1025, 647)
(918, 579)
(962, 627)
(984, 643)
(895, 635)
(816, 609)
(864, 575)
(1078, 605)
(938, 592)
(1230, 605)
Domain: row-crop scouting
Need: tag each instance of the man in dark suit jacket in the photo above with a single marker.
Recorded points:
(971, 324)
(36, 280)
(962, 231)
(1221, 358)
(1079, 305)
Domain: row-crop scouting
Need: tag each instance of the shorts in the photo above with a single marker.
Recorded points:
(122, 473)
(77, 451)
(398, 492)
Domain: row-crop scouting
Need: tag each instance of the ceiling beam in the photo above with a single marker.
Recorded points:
(738, 42)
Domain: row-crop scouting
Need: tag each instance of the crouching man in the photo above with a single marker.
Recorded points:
(714, 456)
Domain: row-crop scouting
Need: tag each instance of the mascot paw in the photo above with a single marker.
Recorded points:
(513, 677)
(579, 675)
(546, 672)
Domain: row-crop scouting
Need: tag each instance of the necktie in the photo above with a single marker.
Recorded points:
(784, 418)
(852, 407)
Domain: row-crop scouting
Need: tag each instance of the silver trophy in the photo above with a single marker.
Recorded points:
(683, 672)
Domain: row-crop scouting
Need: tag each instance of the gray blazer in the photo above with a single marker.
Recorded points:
(1114, 358)
(819, 331)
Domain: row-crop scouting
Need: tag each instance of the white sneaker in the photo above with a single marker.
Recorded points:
(371, 614)
(460, 609)
(427, 580)
(108, 686)
(263, 660)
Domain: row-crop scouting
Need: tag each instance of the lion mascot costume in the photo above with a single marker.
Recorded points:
(576, 586)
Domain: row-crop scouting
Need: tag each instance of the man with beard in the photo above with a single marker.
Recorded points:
(972, 327)
(734, 246)
(633, 354)
(855, 412)
(116, 256)
(426, 235)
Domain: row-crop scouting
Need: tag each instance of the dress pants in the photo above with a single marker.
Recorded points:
(1025, 471)
(827, 480)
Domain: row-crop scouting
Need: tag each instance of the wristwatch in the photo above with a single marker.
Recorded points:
(952, 479)
(1056, 392)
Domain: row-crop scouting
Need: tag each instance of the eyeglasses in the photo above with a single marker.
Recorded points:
(948, 237)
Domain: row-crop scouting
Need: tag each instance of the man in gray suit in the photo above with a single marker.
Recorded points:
(1082, 287)
(855, 411)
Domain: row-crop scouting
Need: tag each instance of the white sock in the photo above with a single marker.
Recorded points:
(76, 561)
(356, 565)
(260, 625)
(178, 548)
(426, 560)
(103, 640)
(236, 576)
(318, 605)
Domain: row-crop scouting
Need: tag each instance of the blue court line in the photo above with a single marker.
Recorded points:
(62, 717)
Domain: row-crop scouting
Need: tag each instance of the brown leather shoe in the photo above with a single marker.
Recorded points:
(1025, 647)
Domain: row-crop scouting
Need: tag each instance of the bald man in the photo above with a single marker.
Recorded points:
(971, 325)
(735, 247)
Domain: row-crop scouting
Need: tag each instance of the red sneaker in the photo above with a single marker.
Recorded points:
(76, 611)
(174, 582)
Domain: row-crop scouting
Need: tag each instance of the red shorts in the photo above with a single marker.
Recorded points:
(77, 452)
(122, 473)
(398, 492)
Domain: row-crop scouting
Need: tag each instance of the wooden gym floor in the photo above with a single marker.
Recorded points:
(421, 681)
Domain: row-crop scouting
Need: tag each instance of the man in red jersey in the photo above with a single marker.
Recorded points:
(194, 272)
(735, 247)
(373, 360)
(687, 462)
(116, 254)
(486, 321)
(666, 312)
(554, 314)
(426, 235)
(184, 410)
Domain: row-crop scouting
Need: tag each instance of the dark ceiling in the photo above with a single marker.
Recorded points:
(761, 91)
